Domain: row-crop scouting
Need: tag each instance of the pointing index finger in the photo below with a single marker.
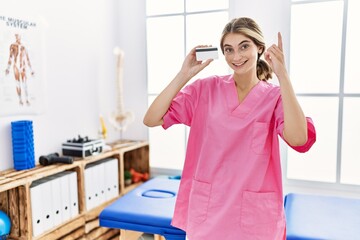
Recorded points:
(280, 44)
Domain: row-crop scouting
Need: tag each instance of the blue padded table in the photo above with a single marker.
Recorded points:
(148, 208)
(322, 217)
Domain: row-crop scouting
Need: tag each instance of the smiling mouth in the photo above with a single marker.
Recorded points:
(239, 64)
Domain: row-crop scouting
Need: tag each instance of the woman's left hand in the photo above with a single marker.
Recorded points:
(275, 57)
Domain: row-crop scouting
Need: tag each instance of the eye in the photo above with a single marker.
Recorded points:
(244, 46)
(228, 50)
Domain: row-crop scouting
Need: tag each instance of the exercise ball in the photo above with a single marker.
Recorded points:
(5, 224)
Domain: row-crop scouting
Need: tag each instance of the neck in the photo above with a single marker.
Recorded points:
(245, 82)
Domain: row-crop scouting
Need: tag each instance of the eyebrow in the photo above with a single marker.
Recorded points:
(245, 41)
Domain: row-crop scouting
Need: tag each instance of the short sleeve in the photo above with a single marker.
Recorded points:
(279, 118)
(311, 137)
(182, 107)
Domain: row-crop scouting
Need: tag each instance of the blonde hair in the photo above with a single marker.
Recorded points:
(249, 28)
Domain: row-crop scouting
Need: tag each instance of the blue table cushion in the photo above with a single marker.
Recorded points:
(148, 208)
(322, 217)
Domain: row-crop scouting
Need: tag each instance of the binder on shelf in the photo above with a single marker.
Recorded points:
(101, 182)
(65, 197)
(111, 178)
(89, 186)
(99, 172)
(95, 184)
(36, 208)
(55, 182)
(73, 189)
(47, 204)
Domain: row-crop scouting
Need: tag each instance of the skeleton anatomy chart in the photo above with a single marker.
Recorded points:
(21, 66)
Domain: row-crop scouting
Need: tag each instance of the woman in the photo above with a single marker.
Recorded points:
(231, 185)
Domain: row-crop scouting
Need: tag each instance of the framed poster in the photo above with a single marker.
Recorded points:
(21, 66)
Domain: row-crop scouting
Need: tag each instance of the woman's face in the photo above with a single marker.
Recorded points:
(240, 52)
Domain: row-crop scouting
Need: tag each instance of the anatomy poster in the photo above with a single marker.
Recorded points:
(21, 66)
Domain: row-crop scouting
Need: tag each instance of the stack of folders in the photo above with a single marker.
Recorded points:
(101, 182)
(54, 200)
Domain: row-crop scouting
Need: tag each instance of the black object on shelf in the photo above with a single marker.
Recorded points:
(54, 158)
(82, 147)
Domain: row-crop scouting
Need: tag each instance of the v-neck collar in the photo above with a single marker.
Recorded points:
(241, 109)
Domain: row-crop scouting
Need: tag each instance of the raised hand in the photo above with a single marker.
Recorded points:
(191, 66)
(275, 57)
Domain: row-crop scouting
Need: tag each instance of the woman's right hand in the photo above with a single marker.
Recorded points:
(191, 66)
(157, 110)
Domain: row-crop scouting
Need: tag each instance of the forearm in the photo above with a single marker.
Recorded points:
(28, 61)
(9, 64)
(156, 111)
(295, 124)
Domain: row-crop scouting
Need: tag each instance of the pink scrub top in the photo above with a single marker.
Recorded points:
(231, 186)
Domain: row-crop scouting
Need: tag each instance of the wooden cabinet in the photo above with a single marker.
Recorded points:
(16, 202)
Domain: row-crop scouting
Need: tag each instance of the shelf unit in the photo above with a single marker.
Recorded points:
(15, 194)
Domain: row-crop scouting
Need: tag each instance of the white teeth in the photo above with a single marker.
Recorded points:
(239, 64)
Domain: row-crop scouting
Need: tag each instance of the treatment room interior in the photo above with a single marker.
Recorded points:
(74, 46)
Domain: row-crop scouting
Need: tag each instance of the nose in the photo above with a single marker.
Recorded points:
(238, 55)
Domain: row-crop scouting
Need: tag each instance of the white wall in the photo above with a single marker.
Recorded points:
(80, 70)
(132, 38)
(80, 65)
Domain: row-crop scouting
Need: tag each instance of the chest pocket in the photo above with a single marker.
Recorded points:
(261, 141)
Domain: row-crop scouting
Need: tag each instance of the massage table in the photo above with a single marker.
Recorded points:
(148, 208)
(322, 217)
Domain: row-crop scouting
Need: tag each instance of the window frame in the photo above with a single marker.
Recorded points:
(184, 14)
(309, 186)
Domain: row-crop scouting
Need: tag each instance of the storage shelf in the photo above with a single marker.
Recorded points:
(15, 193)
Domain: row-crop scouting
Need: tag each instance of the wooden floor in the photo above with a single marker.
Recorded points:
(148, 237)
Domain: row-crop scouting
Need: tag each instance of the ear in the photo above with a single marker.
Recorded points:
(260, 50)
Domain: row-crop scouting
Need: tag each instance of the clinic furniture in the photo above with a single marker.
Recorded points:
(15, 198)
(322, 217)
(148, 208)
